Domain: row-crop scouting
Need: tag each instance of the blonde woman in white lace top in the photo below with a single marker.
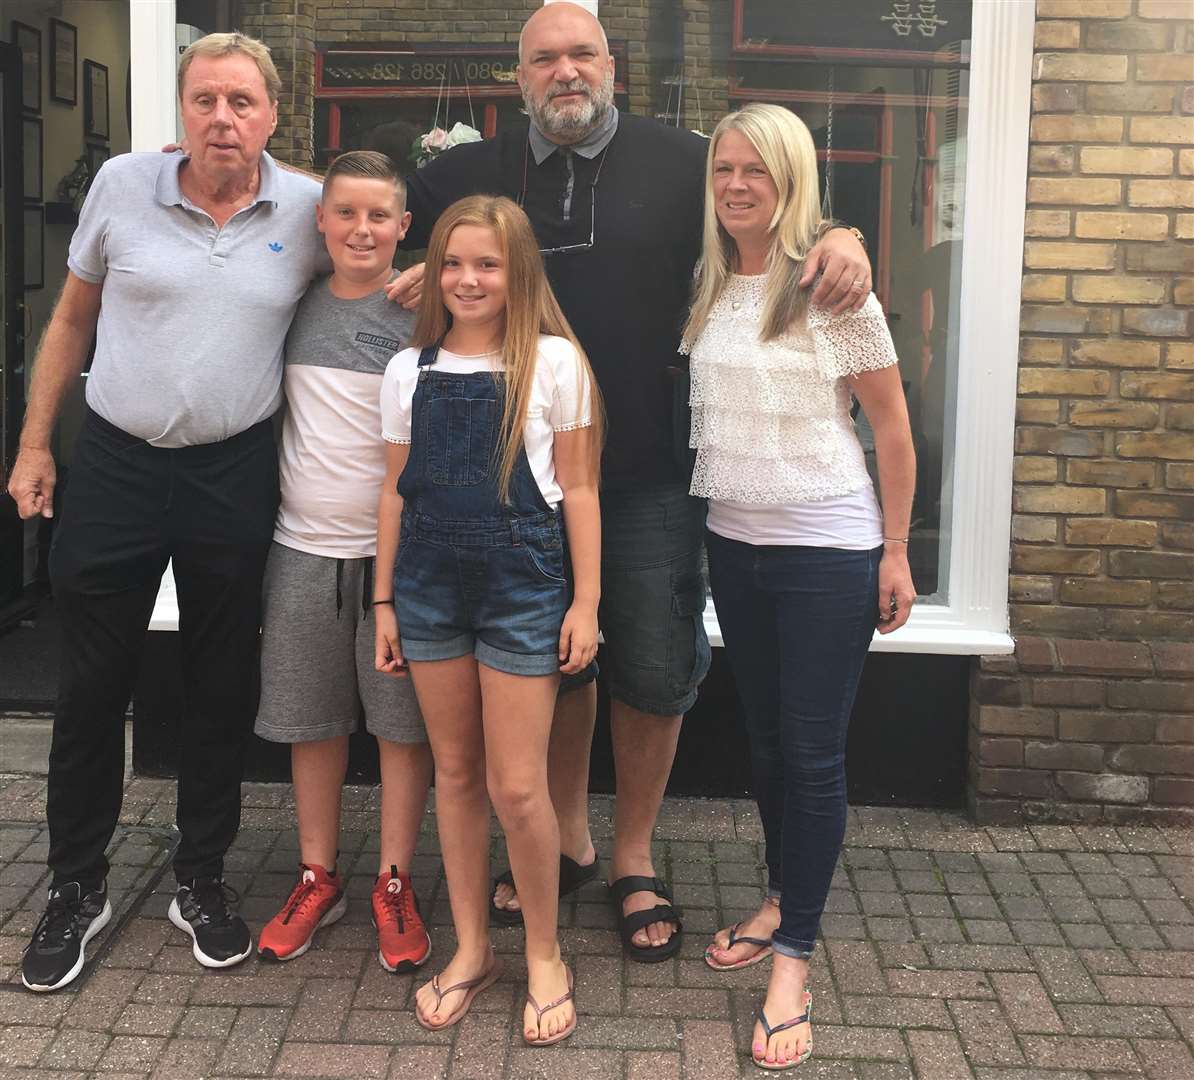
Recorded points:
(804, 561)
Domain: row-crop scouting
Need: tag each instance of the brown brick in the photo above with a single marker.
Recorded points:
(1173, 445)
(1111, 593)
(1131, 37)
(1083, 757)
(1126, 160)
(1156, 322)
(1080, 67)
(1076, 128)
(1122, 354)
(1179, 355)
(1112, 225)
(1176, 595)
(1111, 532)
(1034, 653)
(1047, 223)
(1183, 226)
(1154, 129)
(1149, 505)
(1047, 560)
(1179, 477)
(1104, 787)
(1056, 619)
(1002, 720)
(1069, 691)
(1026, 783)
(1058, 441)
(1036, 470)
(1178, 535)
(1041, 350)
(1061, 97)
(1128, 98)
(1177, 729)
(1001, 752)
(1179, 418)
(1083, 9)
(1185, 162)
(1172, 760)
(1051, 159)
(1126, 624)
(1183, 291)
(1175, 387)
(1118, 289)
(1038, 411)
(1044, 254)
(1104, 727)
(1087, 191)
(1167, 256)
(1163, 9)
(1175, 67)
(1034, 530)
(988, 689)
(1059, 499)
(1103, 657)
(1123, 474)
(1043, 287)
(1169, 791)
(1057, 35)
(1064, 320)
(1064, 383)
(1090, 414)
(1154, 564)
(1177, 193)
(1154, 696)
(1030, 589)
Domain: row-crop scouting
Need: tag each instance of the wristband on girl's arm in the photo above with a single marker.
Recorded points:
(376, 602)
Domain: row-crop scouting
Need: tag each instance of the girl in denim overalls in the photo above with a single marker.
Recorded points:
(492, 429)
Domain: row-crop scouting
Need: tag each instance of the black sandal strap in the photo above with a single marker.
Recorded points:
(796, 1021)
(735, 939)
(633, 883)
(629, 925)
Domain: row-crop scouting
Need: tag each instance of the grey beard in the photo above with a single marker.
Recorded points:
(575, 124)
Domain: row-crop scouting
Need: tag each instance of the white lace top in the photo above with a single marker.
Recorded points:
(771, 421)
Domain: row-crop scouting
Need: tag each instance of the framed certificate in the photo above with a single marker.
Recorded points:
(64, 65)
(95, 100)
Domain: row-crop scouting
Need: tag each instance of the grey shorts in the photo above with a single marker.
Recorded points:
(317, 652)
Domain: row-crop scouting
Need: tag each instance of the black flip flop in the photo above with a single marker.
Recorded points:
(629, 925)
(572, 877)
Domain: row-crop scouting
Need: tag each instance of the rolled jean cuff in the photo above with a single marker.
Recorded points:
(774, 890)
(790, 947)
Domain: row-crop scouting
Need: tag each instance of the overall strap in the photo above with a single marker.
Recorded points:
(428, 355)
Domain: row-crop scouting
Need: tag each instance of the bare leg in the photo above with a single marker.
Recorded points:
(405, 777)
(785, 1001)
(568, 777)
(644, 748)
(518, 716)
(318, 770)
(450, 696)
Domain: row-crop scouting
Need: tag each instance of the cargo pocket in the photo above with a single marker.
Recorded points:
(688, 645)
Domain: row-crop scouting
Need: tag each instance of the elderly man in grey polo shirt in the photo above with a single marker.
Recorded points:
(187, 271)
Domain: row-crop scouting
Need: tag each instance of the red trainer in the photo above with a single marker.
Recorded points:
(317, 900)
(402, 940)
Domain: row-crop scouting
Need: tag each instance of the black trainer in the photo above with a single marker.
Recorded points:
(55, 955)
(200, 908)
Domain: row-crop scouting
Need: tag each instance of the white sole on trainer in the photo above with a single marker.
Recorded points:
(334, 914)
(176, 918)
(97, 924)
(405, 966)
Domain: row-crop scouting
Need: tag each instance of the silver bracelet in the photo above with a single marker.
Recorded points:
(895, 539)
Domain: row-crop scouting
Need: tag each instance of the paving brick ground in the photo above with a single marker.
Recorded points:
(950, 952)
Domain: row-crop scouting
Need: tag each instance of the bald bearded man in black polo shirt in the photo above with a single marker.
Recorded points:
(617, 204)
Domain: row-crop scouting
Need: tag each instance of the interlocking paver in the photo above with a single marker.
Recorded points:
(1043, 953)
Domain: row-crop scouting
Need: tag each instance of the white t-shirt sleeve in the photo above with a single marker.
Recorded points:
(397, 394)
(571, 398)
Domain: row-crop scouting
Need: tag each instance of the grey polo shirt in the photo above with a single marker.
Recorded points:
(193, 317)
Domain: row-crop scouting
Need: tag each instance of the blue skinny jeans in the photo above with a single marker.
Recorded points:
(796, 622)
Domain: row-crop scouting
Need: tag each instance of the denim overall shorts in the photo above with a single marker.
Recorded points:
(474, 575)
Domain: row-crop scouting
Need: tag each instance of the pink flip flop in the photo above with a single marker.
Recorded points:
(471, 988)
(761, 953)
(559, 1036)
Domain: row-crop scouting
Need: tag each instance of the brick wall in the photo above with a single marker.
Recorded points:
(1093, 718)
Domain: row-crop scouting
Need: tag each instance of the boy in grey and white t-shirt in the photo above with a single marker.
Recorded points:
(317, 663)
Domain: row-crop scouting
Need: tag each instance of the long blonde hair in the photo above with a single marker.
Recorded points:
(531, 310)
(786, 147)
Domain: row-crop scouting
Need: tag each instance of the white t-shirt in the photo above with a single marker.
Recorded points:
(560, 400)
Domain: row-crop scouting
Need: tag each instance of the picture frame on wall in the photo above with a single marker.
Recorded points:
(28, 39)
(97, 154)
(64, 62)
(35, 247)
(95, 101)
(31, 144)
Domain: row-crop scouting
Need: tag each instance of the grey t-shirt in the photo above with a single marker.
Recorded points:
(332, 460)
(193, 317)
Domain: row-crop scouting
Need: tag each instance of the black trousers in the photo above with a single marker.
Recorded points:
(128, 509)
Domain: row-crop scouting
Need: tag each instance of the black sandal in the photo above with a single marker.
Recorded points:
(629, 925)
(572, 877)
